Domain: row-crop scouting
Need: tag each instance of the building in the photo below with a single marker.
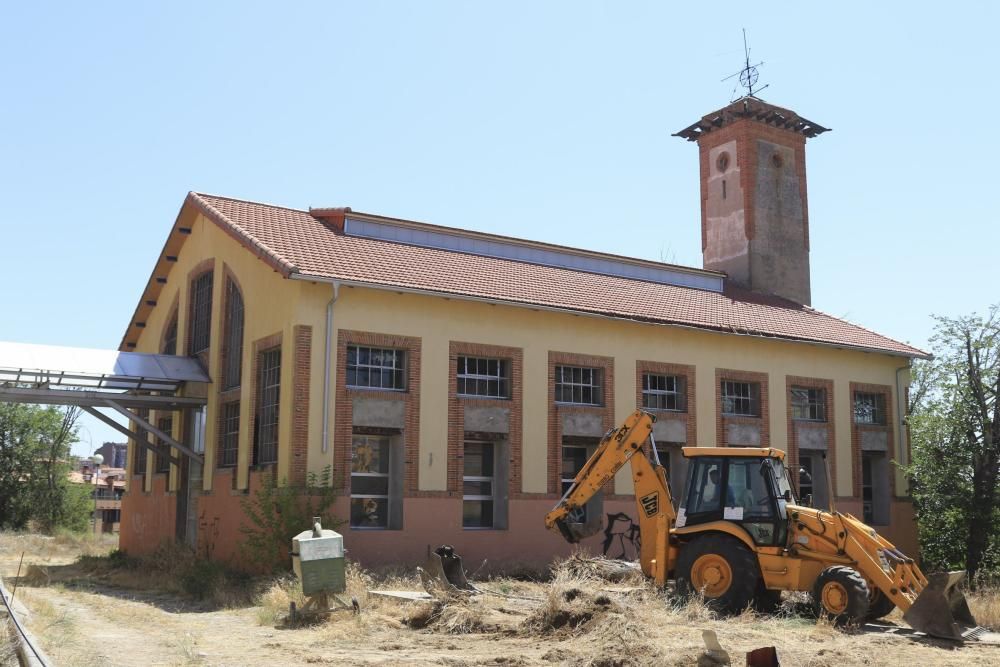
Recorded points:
(454, 380)
(114, 453)
(108, 487)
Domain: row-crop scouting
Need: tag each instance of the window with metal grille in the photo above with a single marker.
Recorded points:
(808, 404)
(487, 378)
(139, 457)
(370, 481)
(740, 399)
(376, 368)
(662, 392)
(268, 398)
(232, 340)
(578, 385)
(170, 335)
(869, 408)
(201, 313)
(165, 424)
(477, 485)
(229, 434)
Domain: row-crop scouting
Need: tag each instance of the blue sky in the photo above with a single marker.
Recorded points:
(550, 121)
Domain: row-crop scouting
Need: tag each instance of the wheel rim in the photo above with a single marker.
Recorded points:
(834, 597)
(711, 575)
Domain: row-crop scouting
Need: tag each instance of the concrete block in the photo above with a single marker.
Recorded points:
(487, 420)
(743, 435)
(811, 436)
(583, 424)
(378, 412)
(875, 441)
(670, 430)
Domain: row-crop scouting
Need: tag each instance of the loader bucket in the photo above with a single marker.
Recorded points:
(444, 571)
(941, 610)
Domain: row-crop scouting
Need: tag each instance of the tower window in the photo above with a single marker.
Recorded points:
(722, 162)
(723, 188)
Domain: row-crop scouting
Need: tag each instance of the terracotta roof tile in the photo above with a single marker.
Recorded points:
(299, 243)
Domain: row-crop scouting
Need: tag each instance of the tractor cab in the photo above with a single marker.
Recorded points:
(748, 486)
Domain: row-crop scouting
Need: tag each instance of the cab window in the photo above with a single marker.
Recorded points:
(705, 486)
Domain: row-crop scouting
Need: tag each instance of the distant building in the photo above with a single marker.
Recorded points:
(108, 486)
(115, 454)
(456, 381)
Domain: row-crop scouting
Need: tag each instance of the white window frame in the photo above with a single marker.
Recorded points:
(726, 393)
(398, 366)
(654, 395)
(819, 406)
(596, 384)
(502, 378)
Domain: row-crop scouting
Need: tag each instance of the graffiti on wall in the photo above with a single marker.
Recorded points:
(621, 537)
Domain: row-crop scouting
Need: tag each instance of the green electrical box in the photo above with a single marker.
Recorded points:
(318, 560)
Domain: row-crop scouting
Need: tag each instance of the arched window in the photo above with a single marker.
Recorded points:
(201, 313)
(170, 335)
(232, 340)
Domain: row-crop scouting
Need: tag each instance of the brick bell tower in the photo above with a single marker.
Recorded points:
(754, 216)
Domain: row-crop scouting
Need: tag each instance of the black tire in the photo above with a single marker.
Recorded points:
(744, 572)
(840, 594)
(879, 606)
(766, 601)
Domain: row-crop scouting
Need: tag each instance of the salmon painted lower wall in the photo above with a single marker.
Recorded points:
(148, 518)
(430, 522)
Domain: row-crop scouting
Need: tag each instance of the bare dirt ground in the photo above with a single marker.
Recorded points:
(83, 620)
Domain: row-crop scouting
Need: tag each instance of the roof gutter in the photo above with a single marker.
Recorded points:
(584, 313)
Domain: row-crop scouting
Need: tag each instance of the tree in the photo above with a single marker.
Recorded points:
(35, 445)
(955, 430)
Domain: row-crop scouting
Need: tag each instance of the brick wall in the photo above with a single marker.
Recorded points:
(457, 404)
(556, 411)
(301, 360)
(689, 415)
(722, 374)
(792, 455)
(411, 397)
(858, 429)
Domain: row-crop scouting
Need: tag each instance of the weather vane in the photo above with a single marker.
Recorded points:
(748, 75)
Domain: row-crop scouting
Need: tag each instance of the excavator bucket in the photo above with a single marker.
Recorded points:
(444, 571)
(941, 610)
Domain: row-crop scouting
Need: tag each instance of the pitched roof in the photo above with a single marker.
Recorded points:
(305, 245)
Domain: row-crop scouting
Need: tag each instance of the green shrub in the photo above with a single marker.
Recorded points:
(275, 514)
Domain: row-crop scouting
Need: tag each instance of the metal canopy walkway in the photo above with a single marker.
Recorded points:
(92, 379)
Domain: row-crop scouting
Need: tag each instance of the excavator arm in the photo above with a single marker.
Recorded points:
(652, 494)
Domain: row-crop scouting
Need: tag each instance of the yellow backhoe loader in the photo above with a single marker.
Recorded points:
(739, 538)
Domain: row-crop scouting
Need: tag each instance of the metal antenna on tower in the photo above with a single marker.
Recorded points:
(748, 75)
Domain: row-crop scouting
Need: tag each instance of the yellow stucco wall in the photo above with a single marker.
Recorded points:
(274, 304)
(439, 320)
(271, 305)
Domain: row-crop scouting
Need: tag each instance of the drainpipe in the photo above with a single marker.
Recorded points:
(327, 362)
(901, 411)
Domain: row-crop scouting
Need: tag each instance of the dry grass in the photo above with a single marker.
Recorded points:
(8, 645)
(985, 607)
